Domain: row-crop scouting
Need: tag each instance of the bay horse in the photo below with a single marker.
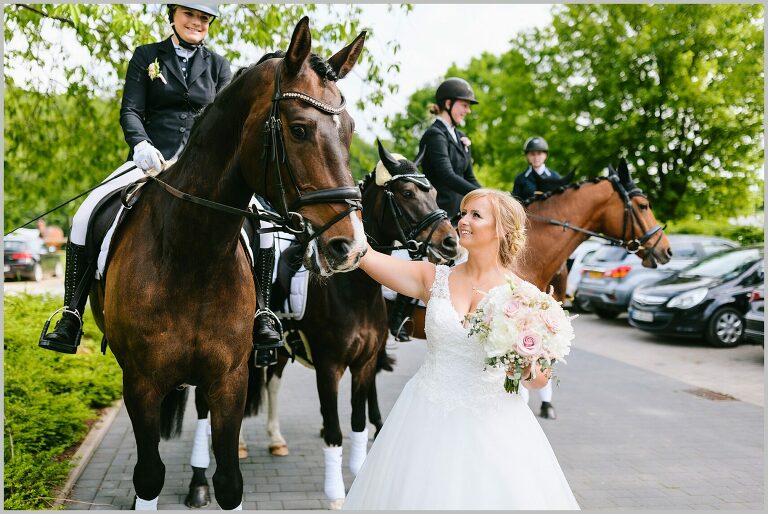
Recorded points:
(345, 323)
(611, 207)
(178, 302)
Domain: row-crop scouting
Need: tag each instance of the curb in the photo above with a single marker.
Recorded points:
(87, 449)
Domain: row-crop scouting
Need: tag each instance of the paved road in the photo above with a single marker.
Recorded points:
(630, 432)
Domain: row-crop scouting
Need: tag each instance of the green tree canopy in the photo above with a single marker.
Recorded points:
(676, 89)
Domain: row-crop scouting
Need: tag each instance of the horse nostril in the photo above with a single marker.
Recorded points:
(450, 243)
(339, 248)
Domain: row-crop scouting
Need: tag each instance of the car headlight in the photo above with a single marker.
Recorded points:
(688, 299)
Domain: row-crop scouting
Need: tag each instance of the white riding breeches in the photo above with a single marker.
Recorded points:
(83, 215)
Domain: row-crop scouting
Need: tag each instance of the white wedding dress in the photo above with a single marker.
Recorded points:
(455, 439)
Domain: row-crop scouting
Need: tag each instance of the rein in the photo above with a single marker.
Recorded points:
(416, 249)
(275, 152)
(632, 245)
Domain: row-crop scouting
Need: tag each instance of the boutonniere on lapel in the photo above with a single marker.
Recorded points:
(153, 70)
(466, 142)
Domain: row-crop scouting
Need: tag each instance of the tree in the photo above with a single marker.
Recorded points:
(69, 61)
(677, 89)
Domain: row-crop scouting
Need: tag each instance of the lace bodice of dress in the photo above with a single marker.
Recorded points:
(454, 373)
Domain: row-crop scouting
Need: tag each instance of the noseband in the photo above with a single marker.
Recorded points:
(633, 244)
(416, 249)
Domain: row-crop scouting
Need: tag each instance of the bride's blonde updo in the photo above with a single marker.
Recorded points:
(510, 222)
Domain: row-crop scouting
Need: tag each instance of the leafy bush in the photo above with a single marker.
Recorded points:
(49, 399)
(744, 234)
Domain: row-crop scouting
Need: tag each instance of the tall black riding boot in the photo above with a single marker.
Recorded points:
(401, 313)
(267, 336)
(69, 329)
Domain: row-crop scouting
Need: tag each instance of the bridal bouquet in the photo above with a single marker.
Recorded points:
(518, 325)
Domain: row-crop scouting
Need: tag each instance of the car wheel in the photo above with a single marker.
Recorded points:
(37, 272)
(58, 269)
(582, 305)
(725, 328)
(606, 314)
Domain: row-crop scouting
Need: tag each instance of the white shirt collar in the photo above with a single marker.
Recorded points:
(542, 170)
(451, 129)
(182, 52)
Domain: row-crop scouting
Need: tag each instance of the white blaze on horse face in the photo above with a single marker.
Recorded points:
(337, 121)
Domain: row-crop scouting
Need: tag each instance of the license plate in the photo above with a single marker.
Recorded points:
(595, 274)
(6, 268)
(642, 316)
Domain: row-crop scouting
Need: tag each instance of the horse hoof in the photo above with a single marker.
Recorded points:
(279, 450)
(242, 452)
(336, 504)
(198, 497)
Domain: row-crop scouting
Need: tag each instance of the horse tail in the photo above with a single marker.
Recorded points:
(384, 361)
(172, 413)
(255, 386)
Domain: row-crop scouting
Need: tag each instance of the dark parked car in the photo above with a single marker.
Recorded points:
(28, 258)
(612, 273)
(705, 299)
(754, 320)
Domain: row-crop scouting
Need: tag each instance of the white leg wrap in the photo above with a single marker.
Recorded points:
(334, 481)
(546, 392)
(273, 420)
(201, 456)
(358, 450)
(146, 504)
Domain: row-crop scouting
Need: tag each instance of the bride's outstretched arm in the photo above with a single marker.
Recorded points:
(411, 278)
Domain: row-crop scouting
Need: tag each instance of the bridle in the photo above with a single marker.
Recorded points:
(416, 249)
(274, 152)
(632, 244)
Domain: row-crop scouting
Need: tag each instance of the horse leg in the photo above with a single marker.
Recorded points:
(277, 444)
(328, 389)
(199, 494)
(361, 380)
(226, 398)
(374, 413)
(143, 402)
(559, 282)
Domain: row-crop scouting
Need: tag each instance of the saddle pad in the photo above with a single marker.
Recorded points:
(297, 347)
(296, 303)
(101, 262)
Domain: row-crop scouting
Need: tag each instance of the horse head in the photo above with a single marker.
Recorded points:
(299, 132)
(400, 204)
(638, 226)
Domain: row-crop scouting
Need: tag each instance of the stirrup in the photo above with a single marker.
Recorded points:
(66, 310)
(268, 313)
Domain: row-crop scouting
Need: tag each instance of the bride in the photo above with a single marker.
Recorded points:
(455, 439)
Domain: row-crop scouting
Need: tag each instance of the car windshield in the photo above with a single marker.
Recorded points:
(14, 246)
(608, 253)
(724, 265)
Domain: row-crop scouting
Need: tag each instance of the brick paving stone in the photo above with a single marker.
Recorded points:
(625, 437)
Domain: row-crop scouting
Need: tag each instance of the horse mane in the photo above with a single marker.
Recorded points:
(561, 190)
(316, 62)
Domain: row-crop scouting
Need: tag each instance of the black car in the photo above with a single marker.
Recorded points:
(707, 298)
(754, 328)
(28, 258)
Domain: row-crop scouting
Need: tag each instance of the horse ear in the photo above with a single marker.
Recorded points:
(344, 60)
(624, 171)
(387, 159)
(298, 50)
(420, 157)
(381, 172)
(611, 171)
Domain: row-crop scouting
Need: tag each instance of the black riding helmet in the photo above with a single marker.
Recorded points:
(211, 10)
(454, 88)
(535, 144)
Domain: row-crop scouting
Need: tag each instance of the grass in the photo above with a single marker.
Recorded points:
(51, 399)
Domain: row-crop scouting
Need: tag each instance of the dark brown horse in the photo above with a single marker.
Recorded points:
(345, 323)
(178, 302)
(612, 207)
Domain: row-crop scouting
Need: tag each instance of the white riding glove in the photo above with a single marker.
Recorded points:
(147, 157)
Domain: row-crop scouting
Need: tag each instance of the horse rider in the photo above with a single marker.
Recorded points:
(167, 85)
(447, 164)
(526, 186)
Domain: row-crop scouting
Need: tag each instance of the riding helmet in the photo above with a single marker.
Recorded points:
(207, 9)
(454, 88)
(535, 144)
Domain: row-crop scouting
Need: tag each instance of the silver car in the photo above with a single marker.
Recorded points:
(612, 273)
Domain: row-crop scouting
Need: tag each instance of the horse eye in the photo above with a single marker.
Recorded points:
(643, 207)
(298, 131)
(407, 194)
